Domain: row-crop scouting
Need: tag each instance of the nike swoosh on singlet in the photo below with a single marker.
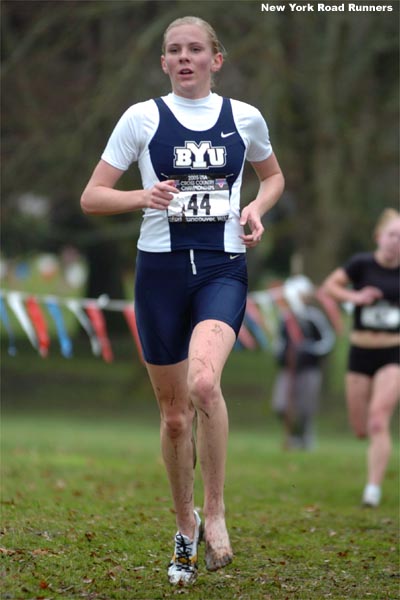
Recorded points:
(224, 135)
(233, 256)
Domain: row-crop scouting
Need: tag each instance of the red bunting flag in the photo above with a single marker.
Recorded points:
(293, 328)
(99, 323)
(39, 323)
(129, 314)
(246, 338)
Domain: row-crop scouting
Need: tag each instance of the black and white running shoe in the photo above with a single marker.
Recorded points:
(182, 570)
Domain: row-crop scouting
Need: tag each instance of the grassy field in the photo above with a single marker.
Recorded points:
(86, 513)
(86, 509)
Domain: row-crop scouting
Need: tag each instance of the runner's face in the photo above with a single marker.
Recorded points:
(388, 241)
(189, 61)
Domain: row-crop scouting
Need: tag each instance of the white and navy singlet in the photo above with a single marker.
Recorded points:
(202, 145)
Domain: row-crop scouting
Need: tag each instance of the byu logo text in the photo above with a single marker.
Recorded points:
(199, 156)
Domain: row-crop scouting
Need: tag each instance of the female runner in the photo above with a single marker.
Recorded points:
(373, 377)
(191, 277)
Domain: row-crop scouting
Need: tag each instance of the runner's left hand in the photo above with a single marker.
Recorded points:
(251, 218)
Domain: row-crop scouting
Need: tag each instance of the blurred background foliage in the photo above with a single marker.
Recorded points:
(327, 84)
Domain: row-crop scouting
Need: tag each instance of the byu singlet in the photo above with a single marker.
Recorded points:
(201, 145)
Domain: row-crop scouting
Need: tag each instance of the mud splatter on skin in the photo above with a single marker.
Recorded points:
(173, 396)
(218, 549)
(201, 360)
(188, 500)
(214, 560)
(204, 412)
(158, 392)
(175, 447)
(194, 451)
(217, 329)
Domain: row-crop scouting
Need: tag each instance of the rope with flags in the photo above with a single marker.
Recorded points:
(264, 310)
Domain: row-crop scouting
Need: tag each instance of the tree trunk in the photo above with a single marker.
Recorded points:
(106, 278)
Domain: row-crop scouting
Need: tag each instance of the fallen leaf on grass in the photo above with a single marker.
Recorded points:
(113, 573)
(45, 534)
(60, 484)
(68, 588)
(312, 508)
(7, 551)
(109, 559)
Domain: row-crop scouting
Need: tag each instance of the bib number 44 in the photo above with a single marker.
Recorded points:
(204, 205)
(201, 198)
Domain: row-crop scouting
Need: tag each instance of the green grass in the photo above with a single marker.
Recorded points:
(86, 513)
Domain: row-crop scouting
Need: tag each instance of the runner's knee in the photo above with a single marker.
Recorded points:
(204, 391)
(377, 423)
(177, 424)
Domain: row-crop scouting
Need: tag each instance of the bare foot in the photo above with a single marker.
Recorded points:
(218, 548)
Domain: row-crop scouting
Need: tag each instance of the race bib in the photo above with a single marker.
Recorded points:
(201, 199)
(380, 316)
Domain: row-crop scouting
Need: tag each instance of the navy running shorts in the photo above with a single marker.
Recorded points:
(368, 361)
(174, 291)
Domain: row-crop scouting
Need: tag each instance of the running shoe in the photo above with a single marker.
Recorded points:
(371, 496)
(182, 570)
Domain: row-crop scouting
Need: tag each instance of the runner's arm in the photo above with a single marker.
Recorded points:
(336, 285)
(272, 184)
(100, 198)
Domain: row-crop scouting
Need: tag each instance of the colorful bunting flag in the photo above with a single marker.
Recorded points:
(39, 323)
(129, 313)
(76, 308)
(255, 329)
(12, 348)
(16, 304)
(100, 327)
(63, 337)
(246, 339)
